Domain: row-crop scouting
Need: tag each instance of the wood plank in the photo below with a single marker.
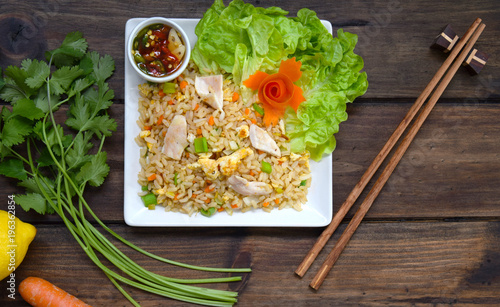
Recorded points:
(451, 169)
(394, 36)
(401, 263)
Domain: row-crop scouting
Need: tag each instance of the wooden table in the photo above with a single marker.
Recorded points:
(432, 236)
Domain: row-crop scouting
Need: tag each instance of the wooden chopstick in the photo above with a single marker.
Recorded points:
(359, 187)
(393, 162)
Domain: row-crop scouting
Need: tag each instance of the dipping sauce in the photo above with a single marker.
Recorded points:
(158, 50)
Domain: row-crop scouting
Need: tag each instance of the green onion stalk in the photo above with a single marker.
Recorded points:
(63, 192)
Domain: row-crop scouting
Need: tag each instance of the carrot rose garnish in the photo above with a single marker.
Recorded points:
(277, 91)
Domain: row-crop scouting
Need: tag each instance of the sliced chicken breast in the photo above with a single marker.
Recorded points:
(249, 188)
(261, 140)
(210, 90)
(176, 138)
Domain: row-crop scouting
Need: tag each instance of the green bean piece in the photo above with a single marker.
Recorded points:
(209, 212)
(169, 88)
(149, 199)
(200, 145)
(176, 176)
(258, 109)
(266, 167)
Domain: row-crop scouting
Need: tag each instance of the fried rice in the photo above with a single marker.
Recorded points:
(181, 188)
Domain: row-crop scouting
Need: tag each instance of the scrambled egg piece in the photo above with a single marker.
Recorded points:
(209, 167)
(303, 157)
(226, 165)
(229, 164)
(145, 133)
(243, 131)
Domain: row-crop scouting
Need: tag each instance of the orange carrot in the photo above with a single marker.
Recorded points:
(208, 189)
(265, 204)
(251, 173)
(183, 84)
(176, 197)
(257, 114)
(152, 177)
(277, 201)
(234, 206)
(147, 127)
(164, 133)
(40, 293)
(253, 121)
(196, 107)
(207, 201)
(187, 154)
(211, 121)
(198, 131)
(161, 93)
(277, 91)
(236, 96)
(160, 120)
(247, 111)
(171, 102)
(220, 209)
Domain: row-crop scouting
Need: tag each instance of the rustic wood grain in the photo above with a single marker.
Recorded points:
(384, 264)
(394, 36)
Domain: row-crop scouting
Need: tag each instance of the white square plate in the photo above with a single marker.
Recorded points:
(315, 213)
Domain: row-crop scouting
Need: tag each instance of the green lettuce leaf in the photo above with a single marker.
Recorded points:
(331, 79)
(240, 39)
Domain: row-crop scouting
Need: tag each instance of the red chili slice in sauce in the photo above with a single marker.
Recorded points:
(151, 51)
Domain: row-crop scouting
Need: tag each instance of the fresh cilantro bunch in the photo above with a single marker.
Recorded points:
(55, 159)
(36, 90)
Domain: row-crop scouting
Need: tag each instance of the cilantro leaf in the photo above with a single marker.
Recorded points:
(51, 141)
(102, 67)
(42, 102)
(4, 152)
(101, 125)
(19, 77)
(32, 187)
(14, 130)
(79, 113)
(79, 85)
(99, 99)
(71, 50)
(82, 118)
(94, 171)
(62, 78)
(77, 155)
(26, 108)
(33, 201)
(37, 129)
(74, 44)
(11, 92)
(38, 72)
(2, 81)
(45, 159)
(6, 113)
(13, 168)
